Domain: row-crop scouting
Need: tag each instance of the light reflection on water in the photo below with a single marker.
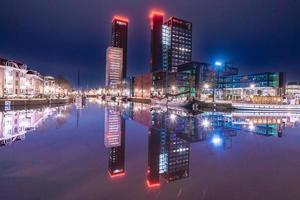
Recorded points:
(15, 124)
(108, 146)
(172, 130)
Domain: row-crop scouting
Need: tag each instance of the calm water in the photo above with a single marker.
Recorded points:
(136, 152)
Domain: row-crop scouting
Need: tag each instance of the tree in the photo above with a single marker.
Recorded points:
(63, 83)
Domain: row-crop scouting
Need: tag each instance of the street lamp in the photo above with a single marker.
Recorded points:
(218, 66)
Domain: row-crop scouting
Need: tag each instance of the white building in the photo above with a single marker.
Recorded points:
(17, 81)
(114, 65)
(112, 128)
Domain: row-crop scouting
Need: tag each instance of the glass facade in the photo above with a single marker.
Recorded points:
(247, 81)
(180, 51)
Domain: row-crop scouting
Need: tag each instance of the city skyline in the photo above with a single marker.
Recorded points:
(266, 41)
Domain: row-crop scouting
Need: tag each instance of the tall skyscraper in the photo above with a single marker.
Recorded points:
(180, 48)
(114, 65)
(114, 140)
(156, 23)
(119, 38)
(112, 128)
(171, 42)
(153, 157)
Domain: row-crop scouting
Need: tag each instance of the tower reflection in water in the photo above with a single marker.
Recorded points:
(114, 140)
(171, 132)
(14, 124)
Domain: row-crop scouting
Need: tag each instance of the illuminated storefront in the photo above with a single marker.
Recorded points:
(245, 87)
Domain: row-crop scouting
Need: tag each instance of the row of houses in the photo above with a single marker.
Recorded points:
(19, 81)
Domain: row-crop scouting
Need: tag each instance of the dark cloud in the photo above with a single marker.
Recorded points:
(62, 36)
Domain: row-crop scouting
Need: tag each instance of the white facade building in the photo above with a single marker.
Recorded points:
(17, 81)
(114, 65)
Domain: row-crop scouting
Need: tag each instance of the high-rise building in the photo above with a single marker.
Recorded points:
(153, 157)
(114, 65)
(119, 39)
(112, 128)
(156, 23)
(114, 140)
(171, 42)
(174, 157)
(180, 38)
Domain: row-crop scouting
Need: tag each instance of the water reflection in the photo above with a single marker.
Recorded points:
(15, 124)
(171, 132)
(114, 140)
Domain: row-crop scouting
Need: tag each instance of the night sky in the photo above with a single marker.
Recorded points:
(61, 36)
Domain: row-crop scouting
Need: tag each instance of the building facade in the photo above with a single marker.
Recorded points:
(156, 23)
(34, 84)
(142, 85)
(120, 39)
(245, 87)
(114, 66)
(18, 81)
(114, 140)
(180, 48)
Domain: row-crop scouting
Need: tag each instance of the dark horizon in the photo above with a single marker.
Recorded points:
(66, 36)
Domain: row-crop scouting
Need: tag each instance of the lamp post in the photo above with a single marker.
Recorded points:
(218, 67)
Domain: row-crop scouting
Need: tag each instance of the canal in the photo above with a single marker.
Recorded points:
(135, 151)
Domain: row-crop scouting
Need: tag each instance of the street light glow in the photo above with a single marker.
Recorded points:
(173, 117)
(206, 86)
(218, 63)
(216, 140)
(251, 127)
(205, 123)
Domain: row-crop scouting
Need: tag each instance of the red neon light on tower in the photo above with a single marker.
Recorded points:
(155, 12)
(152, 185)
(120, 18)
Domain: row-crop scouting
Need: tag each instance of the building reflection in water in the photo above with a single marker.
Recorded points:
(14, 124)
(171, 132)
(114, 140)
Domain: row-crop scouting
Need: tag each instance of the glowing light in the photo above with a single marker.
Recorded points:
(218, 63)
(155, 12)
(206, 86)
(173, 117)
(151, 185)
(173, 87)
(120, 18)
(251, 127)
(205, 123)
(216, 140)
(116, 175)
(252, 86)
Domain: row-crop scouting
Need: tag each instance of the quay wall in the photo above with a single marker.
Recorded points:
(33, 102)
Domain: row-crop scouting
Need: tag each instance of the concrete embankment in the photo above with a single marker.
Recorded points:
(213, 106)
(33, 102)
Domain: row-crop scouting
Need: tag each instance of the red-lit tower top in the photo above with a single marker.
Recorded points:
(120, 38)
(120, 18)
(156, 23)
